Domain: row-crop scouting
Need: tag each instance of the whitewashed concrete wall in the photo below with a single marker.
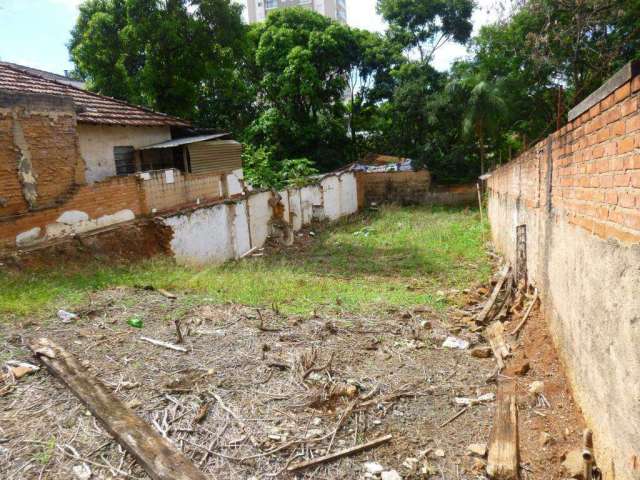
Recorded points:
(222, 232)
(259, 217)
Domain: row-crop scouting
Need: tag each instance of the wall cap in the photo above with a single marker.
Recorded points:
(625, 74)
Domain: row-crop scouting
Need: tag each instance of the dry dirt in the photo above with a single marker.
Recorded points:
(369, 377)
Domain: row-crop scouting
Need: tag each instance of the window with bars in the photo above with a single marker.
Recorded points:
(125, 160)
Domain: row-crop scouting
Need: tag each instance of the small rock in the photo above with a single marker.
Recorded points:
(536, 387)
(481, 352)
(521, 368)
(316, 421)
(545, 439)
(477, 449)
(438, 452)
(66, 317)
(81, 472)
(454, 342)
(373, 468)
(391, 475)
(573, 464)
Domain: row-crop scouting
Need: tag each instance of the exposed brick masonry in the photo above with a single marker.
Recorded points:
(596, 169)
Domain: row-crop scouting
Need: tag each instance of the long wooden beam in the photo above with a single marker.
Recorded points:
(155, 453)
(503, 457)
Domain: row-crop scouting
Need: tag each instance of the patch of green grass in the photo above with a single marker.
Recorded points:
(396, 257)
(43, 455)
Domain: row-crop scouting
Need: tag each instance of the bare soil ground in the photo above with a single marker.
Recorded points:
(369, 377)
(547, 433)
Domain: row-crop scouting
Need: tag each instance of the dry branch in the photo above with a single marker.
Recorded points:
(526, 315)
(503, 445)
(167, 294)
(168, 345)
(447, 422)
(340, 454)
(156, 454)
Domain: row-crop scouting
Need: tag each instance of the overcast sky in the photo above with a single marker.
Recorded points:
(35, 32)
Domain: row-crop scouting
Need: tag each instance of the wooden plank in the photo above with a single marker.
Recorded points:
(340, 453)
(495, 335)
(502, 461)
(526, 315)
(156, 454)
(484, 314)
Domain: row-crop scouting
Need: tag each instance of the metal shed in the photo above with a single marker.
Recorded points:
(213, 153)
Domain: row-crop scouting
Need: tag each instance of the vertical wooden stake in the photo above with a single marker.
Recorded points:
(481, 213)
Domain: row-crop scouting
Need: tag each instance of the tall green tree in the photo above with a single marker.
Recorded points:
(302, 61)
(183, 57)
(426, 25)
(485, 109)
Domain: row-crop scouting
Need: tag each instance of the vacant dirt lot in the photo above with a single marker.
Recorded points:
(261, 389)
(369, 377)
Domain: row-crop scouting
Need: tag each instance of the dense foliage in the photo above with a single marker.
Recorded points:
(306, 93)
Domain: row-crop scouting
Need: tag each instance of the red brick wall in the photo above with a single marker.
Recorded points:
(393, 187)
(596, 169)
(96, 200)
(48, 126)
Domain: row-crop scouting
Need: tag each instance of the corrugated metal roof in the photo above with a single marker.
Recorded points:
(92, 108)
(185, 141)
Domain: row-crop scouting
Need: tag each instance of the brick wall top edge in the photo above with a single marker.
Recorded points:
(624, 75)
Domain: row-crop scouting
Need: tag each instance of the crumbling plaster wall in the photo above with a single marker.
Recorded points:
(97, 143)
(39, 158)
(578, 193)
(215, 234)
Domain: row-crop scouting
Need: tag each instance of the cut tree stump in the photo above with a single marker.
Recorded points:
(156, 454)
(502, 462)
(483, 316)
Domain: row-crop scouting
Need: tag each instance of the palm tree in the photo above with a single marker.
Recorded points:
(484, 109)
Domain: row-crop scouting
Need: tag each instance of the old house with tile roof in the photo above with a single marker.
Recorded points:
(72, 160)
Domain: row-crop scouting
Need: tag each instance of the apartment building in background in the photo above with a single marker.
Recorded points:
(257, 10)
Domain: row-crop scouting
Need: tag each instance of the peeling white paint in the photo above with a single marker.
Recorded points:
(235, 184)
(331, 197)
(30, 236)
(310, 196)
(259, 218)
(348, 195)
(72, 217)
(241, 233)
(70, 223)
(295, 205)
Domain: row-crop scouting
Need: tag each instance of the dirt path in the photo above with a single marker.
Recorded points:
(405, 381)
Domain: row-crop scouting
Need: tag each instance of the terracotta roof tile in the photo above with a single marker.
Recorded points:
(91, 107)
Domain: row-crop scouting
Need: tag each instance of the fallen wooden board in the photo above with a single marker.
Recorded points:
(484, 313)
(339, 454)
(502, 463)
(495, 335)
(156, 454)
